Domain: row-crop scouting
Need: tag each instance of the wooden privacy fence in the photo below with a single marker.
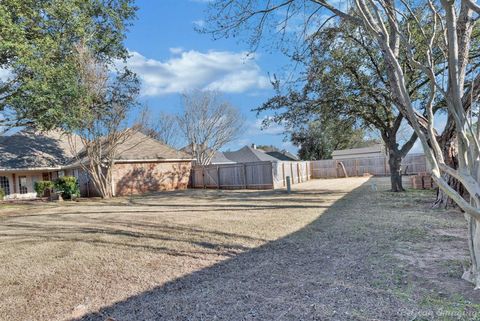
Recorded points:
(330, 168)
(255, 175)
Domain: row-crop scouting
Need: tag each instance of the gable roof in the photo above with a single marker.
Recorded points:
(30, 149)
(283, 155)
(142, 147)
(248, 154)
(220, 158)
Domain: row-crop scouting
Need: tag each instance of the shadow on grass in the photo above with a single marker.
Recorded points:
(103, 227)
(339, 267)
(319, 272)
(32, 233)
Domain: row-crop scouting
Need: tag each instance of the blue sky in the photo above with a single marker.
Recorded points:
(171, 57)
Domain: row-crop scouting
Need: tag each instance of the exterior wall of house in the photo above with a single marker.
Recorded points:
(377, 150)
(142, 177)
(87, 188)
(27, 191)
(128, 178)
(358, 155)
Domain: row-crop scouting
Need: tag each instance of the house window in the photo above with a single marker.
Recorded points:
(22, 183)
(5, 185)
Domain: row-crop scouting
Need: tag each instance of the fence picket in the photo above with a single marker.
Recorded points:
(411, 164)
(256, 175)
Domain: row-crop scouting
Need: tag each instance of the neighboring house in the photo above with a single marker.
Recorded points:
(283, 156)
(377, 150)
(249, 154)
(217, 159)
(143, 164)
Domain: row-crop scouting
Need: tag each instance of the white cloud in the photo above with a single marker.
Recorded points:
(225, 71)
(176, 50)
(256, 128)
(243, 142)
(199, 23)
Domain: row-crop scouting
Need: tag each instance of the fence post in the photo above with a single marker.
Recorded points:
(218, 177)
(273, 174)
(245, 175)
(192, 177)
(356, 167)
(298, 173)
(203, 177)
(291, 173)
(385, 165)
(283, 174)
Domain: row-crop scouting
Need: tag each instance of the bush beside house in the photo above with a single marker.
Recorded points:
(68, 186)
(30, 155)
(42, 186)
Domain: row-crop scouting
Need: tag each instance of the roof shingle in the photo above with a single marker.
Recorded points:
(33, 149)
(248, 154)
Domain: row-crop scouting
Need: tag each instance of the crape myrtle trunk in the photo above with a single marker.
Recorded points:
(448, 143)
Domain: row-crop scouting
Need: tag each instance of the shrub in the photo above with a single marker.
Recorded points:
(68, 186)
(2, 193)
(41, 186)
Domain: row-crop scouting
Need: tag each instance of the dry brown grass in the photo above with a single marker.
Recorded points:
(321, 253)
(61, 262)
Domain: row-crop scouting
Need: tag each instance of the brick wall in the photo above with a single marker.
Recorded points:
(137, 178)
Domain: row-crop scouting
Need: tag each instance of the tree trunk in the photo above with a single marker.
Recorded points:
(473, 274)
(394, 161)
(396, 154)
(448, 142)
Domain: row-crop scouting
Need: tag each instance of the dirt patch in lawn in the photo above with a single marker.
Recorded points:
(332, 249)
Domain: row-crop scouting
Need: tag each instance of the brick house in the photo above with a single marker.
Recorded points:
(143, 164)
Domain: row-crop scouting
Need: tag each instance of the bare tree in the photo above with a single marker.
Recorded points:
(164, 128)
(420, 31)
(208, 123)
(95, 140)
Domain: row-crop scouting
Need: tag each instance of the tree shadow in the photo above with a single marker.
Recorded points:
(286, 279)
(132, 234)
(335, 268)
(332, 269)
(146, 178)
(28, 149)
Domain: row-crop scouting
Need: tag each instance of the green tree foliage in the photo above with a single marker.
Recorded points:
(41, 186)
(37, 48)
(319, 138)
(345, 81)
(68, 186)
(268, 148)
